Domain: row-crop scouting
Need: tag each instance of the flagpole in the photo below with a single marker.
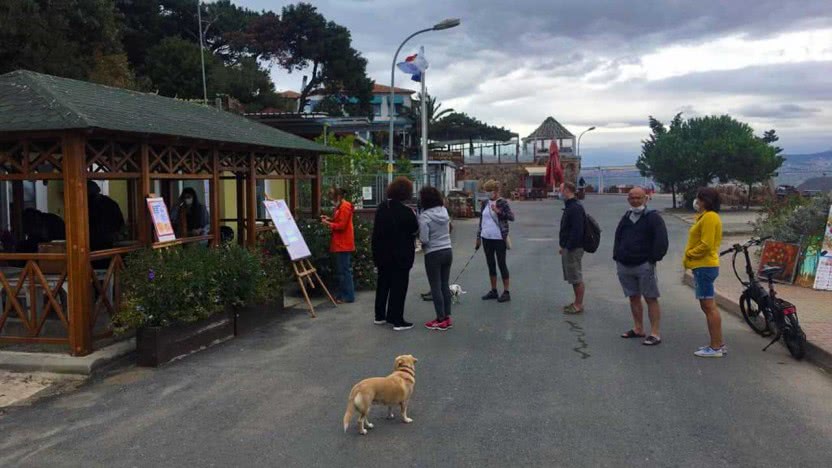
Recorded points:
(424, 124)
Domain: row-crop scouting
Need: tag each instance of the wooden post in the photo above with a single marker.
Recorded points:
(215, 197)
(316, 188)
(241, 206)
(145, 234)
(78, 244)
(293, 188)
(251, 203)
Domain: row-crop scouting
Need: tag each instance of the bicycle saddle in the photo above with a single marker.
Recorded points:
(770, 270)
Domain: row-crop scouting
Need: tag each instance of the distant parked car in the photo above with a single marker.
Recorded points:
(786, 190)
(811, 193)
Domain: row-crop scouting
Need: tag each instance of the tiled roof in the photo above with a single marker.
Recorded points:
(380, 89)
(289, 94)
(550, 129)
(32, 101)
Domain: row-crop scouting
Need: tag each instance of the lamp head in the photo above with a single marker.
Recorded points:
(447, 24)
(590, 129)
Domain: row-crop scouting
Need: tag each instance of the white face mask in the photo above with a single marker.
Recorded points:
(638, 209)
(189, 201)
(696, 205)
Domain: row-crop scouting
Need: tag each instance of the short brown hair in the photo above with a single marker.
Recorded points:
(337, 191)
(490, 185)
(400, 189)
(570, 186)
(709, 197)
(430, 197)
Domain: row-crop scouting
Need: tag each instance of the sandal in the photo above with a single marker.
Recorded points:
(632, 334)
(652, 341)
(571, 310)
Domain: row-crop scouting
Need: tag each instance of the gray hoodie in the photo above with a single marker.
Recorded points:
(434, 229)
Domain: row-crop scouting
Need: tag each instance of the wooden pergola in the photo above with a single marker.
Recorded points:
(66, 131)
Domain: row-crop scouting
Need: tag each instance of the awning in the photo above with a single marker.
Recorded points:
(536, 170)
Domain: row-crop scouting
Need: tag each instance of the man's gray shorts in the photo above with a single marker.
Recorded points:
(572, 265)
(639, 280)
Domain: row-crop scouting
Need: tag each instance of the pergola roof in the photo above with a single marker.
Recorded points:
(32, 101)
(550, 129)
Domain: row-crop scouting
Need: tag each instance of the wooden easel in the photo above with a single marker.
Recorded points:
(304, 271)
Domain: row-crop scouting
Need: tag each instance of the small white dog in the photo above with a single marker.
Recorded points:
(456, 293)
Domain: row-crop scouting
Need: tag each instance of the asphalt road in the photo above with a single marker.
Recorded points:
(516, 384)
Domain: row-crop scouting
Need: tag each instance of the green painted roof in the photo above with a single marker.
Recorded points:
(32, 101)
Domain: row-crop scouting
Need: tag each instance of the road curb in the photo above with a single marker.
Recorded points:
(814, 353)
(64, 363)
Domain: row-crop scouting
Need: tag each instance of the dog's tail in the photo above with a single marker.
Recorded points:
(350, 409)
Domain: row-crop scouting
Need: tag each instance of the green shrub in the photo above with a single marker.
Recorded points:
(794, 219)
(166, 287)
(185, 284)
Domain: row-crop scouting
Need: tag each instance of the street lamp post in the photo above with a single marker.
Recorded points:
(579, 139)
(446, 24)
(202, 51)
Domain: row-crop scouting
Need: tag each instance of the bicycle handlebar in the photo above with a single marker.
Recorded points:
(749, 243)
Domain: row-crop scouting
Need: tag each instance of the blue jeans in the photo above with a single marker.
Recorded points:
(343, 268)
(703, 279)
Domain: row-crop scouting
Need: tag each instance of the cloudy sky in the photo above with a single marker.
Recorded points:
(609, 63)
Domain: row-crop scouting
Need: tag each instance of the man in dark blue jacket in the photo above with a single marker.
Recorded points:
(640, 243)
(572, 246)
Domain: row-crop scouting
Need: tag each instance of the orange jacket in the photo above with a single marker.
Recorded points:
(343, 236)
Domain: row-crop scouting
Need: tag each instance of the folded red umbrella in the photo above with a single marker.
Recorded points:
(554, 171)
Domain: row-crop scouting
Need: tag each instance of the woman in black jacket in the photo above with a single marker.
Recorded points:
(393, 243)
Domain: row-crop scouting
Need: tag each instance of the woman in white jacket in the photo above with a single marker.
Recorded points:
(435, 235)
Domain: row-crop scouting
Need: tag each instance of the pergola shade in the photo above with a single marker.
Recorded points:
(57, 129)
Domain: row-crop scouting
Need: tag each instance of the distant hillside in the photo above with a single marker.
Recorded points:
(800, 167)
(813, 159)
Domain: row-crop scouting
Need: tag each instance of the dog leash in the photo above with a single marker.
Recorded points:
(466, 266)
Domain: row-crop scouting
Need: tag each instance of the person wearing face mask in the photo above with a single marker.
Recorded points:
(702, 257)
(190, 217)
(640, 243)
(342, 243)
(492, 234)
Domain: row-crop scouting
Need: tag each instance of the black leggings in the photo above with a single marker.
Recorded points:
(496, 248)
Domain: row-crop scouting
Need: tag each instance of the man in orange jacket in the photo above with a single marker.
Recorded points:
(342, 244)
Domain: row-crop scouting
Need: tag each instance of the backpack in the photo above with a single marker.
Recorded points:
(592, 234)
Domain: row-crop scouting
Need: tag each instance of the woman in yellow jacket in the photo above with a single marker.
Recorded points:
(702, 256)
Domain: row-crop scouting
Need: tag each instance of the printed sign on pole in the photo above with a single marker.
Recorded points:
(287, 228)
(161, 219)
(367, 193)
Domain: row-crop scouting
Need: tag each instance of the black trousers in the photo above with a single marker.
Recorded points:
(391, 291)
(495, 248)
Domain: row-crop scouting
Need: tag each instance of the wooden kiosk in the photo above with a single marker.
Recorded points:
(56, 134)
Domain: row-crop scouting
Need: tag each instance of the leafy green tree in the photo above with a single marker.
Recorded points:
(59, 38)
(433, 111)
(754, 161)
(404, 166)
(663, 156)
(302, 39)
(175, 69)
(461, 126)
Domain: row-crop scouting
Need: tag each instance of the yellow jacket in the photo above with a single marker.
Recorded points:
(704, 239)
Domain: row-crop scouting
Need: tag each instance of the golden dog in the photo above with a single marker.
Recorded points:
(395, 389)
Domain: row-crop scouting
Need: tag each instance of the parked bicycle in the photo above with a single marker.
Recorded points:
(764, 312)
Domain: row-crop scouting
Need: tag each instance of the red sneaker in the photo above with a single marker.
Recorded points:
(444, 325)
(432, 325)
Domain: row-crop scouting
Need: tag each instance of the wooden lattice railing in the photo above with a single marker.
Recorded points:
(30, 297)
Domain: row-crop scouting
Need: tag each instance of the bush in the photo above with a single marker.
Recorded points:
(186, 284)
(794, 219)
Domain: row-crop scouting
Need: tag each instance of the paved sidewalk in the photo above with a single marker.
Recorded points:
(734, 223)
(812, 305)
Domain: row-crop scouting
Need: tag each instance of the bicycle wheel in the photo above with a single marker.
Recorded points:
(794, 337)
(753, 314)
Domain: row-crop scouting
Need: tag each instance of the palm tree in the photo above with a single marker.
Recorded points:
(434, 113)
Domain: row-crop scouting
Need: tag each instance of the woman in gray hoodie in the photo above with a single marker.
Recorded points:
(435, 234)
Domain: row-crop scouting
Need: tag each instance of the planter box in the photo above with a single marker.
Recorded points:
(158, 345)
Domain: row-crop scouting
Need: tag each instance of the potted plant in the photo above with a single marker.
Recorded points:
(173, 299)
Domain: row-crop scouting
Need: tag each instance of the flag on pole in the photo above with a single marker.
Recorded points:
(554, 171)
(414, 65)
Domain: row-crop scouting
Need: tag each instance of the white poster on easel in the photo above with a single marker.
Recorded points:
(287, 229)
(161, 219)
(823, 275)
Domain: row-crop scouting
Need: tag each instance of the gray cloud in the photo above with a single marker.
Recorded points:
(782, 111)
